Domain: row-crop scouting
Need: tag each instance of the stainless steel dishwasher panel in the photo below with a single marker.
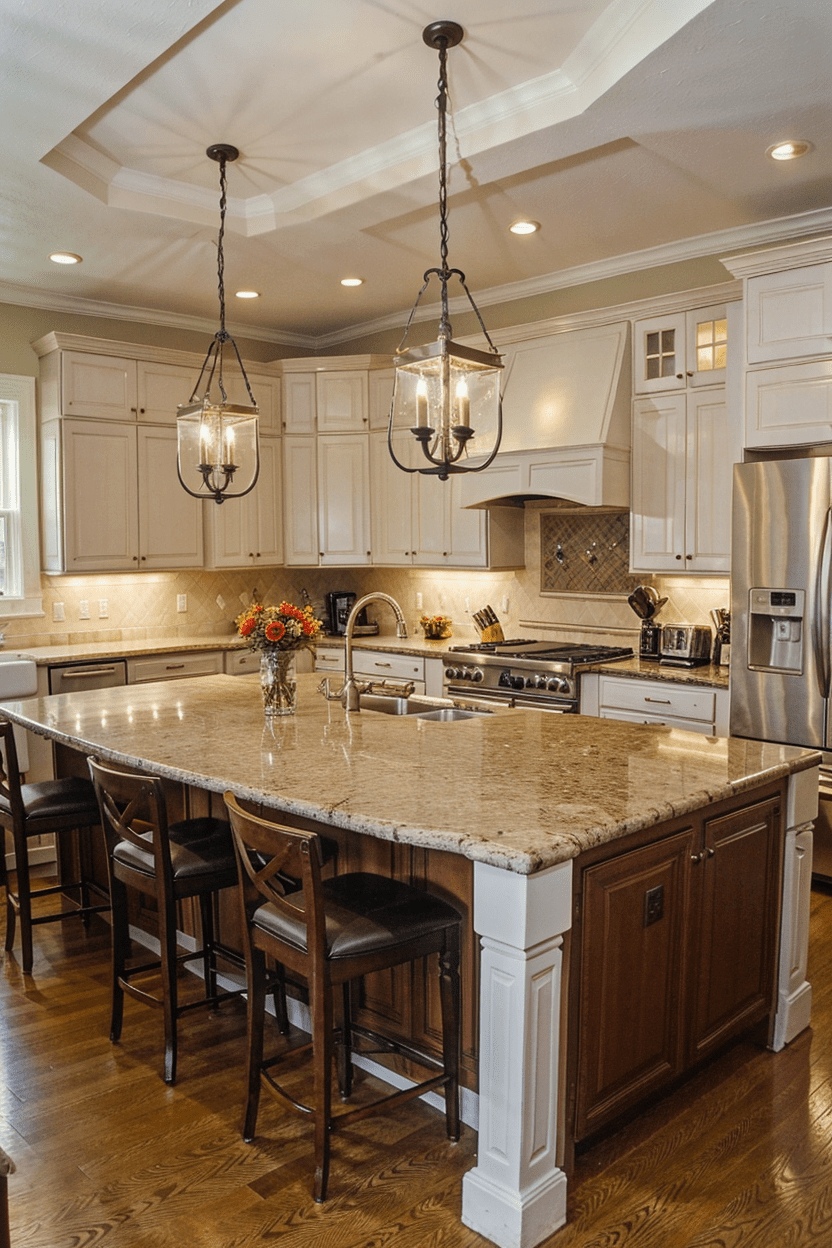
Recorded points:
(74, 677)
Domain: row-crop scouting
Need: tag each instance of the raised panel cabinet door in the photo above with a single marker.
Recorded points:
(100, 496)
(300, 502)
(267, 504)
(170, 520)
(102, 386)
(468, 530)
(266, 392)
(657, 516)
(344, 499)
(380, 391)
(342, 401)
(431, 521)
(709, 483)
(790, 405)
(634, 919)
(735, 881)
(392, 504)
(299, 403)
(789, 314)
(161, 389)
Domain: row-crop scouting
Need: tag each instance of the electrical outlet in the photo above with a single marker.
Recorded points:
(418, 602)
(103, 608)
(181, 602)
(504, 604)
(83, 609)
(58, 612)
(467, 605)
(220, 601)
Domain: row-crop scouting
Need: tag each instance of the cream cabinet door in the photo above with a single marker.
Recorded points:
(102, 386)
(300, 502)
(248, 531)
(687, 349)
(708, 483)
(342, 401)
(299, 403)
(468, 530)
(431, 521)
(170, 520)
(161, 388)
(392, 504)
(100, 503)
(657, 516)
(266, 391)
(789, 314)
(344, 499)
(380, 390)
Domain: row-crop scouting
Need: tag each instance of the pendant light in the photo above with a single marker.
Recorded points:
(446, 394)
(216, 439)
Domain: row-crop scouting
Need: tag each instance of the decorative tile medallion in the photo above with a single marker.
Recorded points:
(585, 553)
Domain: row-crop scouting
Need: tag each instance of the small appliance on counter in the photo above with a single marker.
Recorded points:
(646, 603)
(685, 645)
(339, 603)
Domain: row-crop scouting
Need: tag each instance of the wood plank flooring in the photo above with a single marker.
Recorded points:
(108, 1157)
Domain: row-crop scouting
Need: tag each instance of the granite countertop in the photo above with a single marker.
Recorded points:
(645, 669)
(520, 789)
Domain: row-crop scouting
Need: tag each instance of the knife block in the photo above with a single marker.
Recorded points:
(494, 632)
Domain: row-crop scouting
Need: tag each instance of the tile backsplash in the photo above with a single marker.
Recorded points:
(144, 605)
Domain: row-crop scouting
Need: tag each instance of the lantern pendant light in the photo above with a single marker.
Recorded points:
(446, 394)
(214, 438)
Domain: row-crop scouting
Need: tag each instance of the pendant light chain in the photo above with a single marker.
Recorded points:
(442, 105)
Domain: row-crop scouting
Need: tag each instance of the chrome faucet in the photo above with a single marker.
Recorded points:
(351, 689)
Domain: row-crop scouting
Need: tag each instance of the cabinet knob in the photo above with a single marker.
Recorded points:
(369, 554)
(680, 376)
(710, 851)
(689, 373)
(678, 556)
(143, 558)
(135, 558)
(696, 857)
(688, 556)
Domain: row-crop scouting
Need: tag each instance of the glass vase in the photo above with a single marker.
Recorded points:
(277, 680)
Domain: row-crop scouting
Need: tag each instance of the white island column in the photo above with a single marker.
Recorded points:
(516, 1193)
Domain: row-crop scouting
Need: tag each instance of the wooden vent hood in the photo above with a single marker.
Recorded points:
(566, 422)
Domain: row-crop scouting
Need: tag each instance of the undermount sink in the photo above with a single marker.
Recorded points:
(18, 676)
(388, 705)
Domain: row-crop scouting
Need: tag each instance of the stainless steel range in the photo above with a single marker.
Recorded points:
(524, 673)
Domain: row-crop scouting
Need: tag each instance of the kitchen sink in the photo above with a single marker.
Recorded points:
(389, 705)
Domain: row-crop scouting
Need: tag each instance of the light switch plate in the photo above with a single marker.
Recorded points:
(58, 612)
(103, 608)
(181, 602)
(83, 609)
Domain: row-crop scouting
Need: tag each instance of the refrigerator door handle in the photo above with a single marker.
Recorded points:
(822, 614)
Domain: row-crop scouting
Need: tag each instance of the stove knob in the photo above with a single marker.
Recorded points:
(477, 675)
(530, 682)
(452, 673)
(557, 684)
(540, 682)
(508, 681)
(465, 673)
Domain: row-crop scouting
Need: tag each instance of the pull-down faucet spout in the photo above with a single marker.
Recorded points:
(351, 691)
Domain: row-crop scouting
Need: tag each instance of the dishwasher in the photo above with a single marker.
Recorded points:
(72, 677)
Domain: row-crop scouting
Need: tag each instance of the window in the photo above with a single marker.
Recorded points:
(19, 565)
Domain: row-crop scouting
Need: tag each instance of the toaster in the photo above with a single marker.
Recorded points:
(685, 645)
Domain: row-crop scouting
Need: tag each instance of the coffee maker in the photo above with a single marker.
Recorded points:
(646, 603)
(339, 604)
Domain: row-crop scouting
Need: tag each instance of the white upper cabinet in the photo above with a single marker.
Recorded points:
(248, 531)
(342, 400)
(96, 385)
(300, 501)
(344, 500)
(380, 389)
(160, 388)
(789, 314)
(299, 403)
(685, 349)
(170, 520)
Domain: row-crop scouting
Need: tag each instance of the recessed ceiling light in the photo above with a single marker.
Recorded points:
(789, 150)
(352, 281)
(65, 257)
(247, 294)
(525, 227)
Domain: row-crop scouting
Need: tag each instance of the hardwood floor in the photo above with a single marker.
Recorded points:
(108, 1156)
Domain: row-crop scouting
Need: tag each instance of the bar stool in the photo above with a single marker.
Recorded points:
(332, 932)
(168, 862)
(49, 807)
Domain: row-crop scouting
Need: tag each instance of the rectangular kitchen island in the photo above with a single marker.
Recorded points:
(533, 806)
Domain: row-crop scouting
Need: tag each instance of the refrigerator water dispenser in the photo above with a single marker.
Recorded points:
(775, 630)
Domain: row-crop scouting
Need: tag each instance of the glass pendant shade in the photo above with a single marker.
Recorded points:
(217, 447)
(217, 442)
(448, 397)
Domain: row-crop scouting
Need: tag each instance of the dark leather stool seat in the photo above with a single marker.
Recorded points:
(333, 932)
(50, 807)
(168, 862)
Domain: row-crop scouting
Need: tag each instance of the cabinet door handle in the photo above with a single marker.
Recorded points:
(174, 667)
(377, 664)
(660, 701)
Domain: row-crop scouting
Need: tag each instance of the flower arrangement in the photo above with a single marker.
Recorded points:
(284, 627)
(436, 626)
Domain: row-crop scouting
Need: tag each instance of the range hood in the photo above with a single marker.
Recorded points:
(566, 423)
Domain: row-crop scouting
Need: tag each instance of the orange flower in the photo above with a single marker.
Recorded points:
(247, 627)
(274, 630)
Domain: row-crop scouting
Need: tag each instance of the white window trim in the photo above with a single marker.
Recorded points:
(21, 390)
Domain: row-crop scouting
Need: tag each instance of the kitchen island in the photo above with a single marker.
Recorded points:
(521, 795)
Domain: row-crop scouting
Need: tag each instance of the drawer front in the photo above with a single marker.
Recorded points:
(658, 698)
(666, 721)
(238, 662)
(395, 666)
(329, 659)
(174, 666)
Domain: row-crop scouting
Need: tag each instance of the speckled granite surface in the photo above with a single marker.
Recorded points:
(644, 669)
(520, 789)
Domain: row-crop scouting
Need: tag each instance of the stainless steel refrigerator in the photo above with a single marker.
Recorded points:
(781, 615)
